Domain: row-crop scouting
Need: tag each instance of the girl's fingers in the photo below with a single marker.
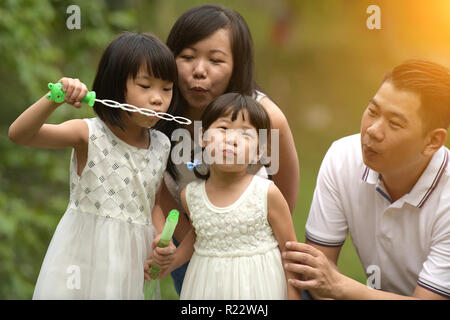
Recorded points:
(76, 91)
(162, 260)
(169, 250)
(83, 92)
(65, 83)
(69, 90)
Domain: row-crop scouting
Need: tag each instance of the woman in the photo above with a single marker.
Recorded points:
(213, 49)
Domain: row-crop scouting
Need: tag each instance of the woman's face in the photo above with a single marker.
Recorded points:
(205, 68)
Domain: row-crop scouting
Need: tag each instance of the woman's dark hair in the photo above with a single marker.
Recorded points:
(122, 59)
(202, 21)
(234, 104)
(431, 82)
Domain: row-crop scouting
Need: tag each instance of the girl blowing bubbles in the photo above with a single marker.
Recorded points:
(100, 246)
(241, 221)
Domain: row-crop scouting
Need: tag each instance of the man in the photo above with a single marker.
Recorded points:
(390, 187)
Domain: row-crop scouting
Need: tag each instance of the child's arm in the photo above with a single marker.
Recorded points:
(280, 219)
(30, 129)
(184, 251)
(158, 218)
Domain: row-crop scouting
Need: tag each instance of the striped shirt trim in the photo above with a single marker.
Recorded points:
(321, 242)
(365, 174)
(435, 182)
(433, 289)
(383, 194)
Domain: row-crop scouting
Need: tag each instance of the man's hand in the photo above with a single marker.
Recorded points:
(319, 275)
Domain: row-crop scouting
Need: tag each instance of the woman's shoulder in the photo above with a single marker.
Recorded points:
(276, 115)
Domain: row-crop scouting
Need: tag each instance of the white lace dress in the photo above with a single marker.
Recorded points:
(100, 246)
(236, 255)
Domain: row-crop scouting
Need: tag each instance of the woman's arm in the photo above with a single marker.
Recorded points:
(280, 220)
(287, 177)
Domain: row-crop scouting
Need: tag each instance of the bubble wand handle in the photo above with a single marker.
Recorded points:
(164, 240)
(58, 95)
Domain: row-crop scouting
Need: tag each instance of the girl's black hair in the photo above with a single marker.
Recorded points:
(234, 104)
(122, 59)
(199, 23)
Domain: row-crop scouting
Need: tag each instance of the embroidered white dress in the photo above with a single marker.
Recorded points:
(236, 255)
(100, 246)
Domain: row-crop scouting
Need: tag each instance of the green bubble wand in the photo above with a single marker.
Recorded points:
(58, 95)
(164, 240)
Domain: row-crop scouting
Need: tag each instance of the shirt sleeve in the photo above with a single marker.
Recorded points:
(327, 224)
(435, 274)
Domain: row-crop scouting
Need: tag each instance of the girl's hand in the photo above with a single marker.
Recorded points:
(163, 257)
(75, 91)
(162, 273)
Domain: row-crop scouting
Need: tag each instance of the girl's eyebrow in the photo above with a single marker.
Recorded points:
(223, 119)
(143, 76)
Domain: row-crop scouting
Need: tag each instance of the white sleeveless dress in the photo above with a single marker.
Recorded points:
(236, 255)
(100, 246)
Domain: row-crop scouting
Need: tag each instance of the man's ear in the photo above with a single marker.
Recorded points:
(436, 139)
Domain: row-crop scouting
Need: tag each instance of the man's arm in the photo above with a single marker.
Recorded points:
(323, 279)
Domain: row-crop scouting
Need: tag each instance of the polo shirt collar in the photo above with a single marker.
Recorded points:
(427, 182)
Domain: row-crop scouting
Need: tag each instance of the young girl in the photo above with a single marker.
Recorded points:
(241, 221)
(100, 246)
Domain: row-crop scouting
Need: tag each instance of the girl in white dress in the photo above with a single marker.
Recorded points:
(241, 221)
(100, 246)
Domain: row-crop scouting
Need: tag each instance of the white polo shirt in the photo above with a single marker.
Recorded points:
(408, 240)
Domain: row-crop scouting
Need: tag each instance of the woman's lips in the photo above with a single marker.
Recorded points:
(198, 90)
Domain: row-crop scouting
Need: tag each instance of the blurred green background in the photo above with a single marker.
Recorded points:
(315, 58)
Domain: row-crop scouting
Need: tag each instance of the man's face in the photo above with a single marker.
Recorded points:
(392, 134)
